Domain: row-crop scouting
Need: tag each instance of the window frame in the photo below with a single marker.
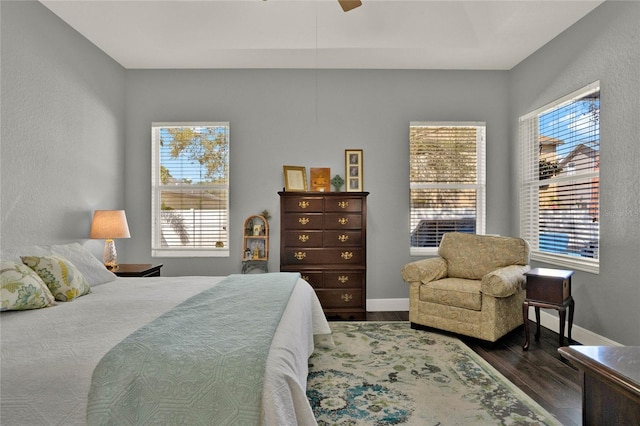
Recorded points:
(479, 186)
(156, 198)
(529, 141)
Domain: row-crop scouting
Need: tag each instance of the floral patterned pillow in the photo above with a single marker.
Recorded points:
(21, 288)
(63, 279)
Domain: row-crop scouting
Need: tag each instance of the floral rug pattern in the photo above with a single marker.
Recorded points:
(385, 373)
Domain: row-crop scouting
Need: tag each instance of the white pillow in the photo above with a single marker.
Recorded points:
(14, 253)
(90, 267)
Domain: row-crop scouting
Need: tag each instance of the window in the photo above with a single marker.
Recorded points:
(190, 189)
(559, 180)
(447, 182)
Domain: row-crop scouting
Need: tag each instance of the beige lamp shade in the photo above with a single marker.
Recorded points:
(109, 224)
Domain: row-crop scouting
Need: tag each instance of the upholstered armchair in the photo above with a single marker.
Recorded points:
(475, 286)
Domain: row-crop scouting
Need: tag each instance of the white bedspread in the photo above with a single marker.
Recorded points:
(48, 355)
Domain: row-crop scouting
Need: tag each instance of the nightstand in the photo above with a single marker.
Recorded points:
(137, 270)
(549, 289)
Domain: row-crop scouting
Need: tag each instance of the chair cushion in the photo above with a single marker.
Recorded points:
(458, 292)
(472, 256)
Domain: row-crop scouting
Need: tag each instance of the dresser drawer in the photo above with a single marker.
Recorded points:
(346, 298)
(342, 221)
(343, 204)
(303, 204)
(303, 221)
(343, 279)
(304, 238)
(342, 238)
(318, 256)
(312, 277)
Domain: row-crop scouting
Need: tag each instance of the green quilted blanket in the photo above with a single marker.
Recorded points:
(200, 363)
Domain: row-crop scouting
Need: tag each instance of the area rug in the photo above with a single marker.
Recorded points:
(385, 373)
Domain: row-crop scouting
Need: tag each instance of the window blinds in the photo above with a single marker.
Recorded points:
(190, 195)
(559, 169)
(447, 180)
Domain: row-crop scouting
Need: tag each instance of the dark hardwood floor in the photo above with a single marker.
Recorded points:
(540, 372)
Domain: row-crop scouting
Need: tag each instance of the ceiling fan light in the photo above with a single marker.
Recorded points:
(347, 5)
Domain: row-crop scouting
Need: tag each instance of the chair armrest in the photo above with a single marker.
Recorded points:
(425, 270)
(503, 282)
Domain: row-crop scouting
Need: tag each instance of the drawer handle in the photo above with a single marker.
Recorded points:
(300, 255)
(343, 220)
(343, 238)
(304, 238)
(305, 277)
(303, 220)
(346, 297)
(343, 278)
(343, 204)
(346, 255)
(303, 204)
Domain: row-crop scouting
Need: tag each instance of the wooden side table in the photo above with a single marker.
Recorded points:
(137, 270)
(549, 289)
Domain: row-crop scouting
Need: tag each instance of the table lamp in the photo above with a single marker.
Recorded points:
(107, 225)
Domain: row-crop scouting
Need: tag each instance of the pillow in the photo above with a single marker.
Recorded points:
(90, 267)
(63, 279)
(21, 288)
(14, 253)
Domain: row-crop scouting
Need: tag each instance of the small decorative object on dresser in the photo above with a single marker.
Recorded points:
(295, 178)
(337, 183)
(320, 179)
(137, 270)
(353, 169)
(323, 236)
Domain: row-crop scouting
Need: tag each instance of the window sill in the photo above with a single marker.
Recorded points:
(423, 251)
(579, 263)
(189, 253)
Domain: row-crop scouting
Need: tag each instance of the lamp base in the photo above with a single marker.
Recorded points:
(110, 257)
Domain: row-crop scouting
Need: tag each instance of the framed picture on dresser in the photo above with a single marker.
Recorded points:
(295, 178)
(353, 170)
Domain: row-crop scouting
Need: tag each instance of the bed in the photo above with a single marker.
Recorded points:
(50, 354)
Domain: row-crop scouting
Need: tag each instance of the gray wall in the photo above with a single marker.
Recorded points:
(76, 137)
(278, 117)
(62, 149)
(603, 46)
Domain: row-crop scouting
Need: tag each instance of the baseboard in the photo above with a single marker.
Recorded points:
(547, 320)
(579, 334)
(382, 305)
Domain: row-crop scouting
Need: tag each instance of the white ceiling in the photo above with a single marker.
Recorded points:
(387, 34)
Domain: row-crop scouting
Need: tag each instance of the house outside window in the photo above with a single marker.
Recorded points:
(559, 180)
(190, 189)
(446, 180)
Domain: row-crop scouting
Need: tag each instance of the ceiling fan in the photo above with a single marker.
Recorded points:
(347, 5)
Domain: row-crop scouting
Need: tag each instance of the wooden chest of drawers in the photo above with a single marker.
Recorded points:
(324, 237)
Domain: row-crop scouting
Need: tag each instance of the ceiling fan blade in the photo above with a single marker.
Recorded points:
(347, 5)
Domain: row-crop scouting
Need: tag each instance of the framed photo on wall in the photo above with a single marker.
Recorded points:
(295, 178)
(353, 170)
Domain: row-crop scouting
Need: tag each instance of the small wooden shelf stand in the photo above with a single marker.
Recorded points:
(255, 244)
